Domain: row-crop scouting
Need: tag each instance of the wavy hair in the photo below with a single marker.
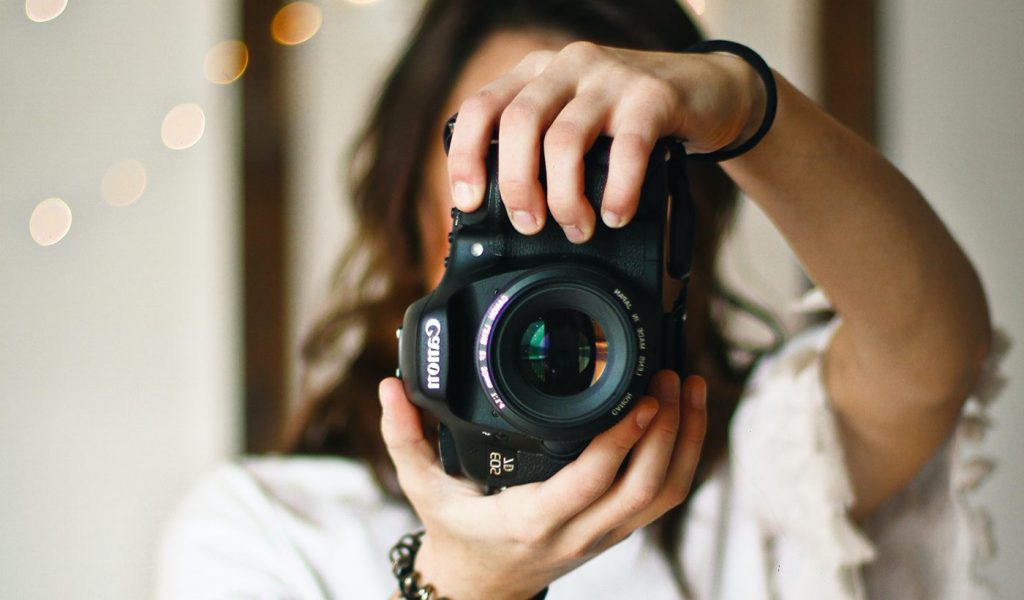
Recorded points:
(382, 270)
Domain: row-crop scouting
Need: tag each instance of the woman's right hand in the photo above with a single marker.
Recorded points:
(512, 544)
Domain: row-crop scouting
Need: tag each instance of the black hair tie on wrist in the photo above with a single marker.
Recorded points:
(771, 95)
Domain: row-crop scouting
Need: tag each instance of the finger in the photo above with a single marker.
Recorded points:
(644, 478)
(414, 458)
(474, 130)
(691, 440)
(519, 136)
(585, 479)
(685, 458)
(567, 140)
(632, 143)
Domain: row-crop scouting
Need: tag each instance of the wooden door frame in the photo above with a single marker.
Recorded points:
(848, 65)
(265, 306)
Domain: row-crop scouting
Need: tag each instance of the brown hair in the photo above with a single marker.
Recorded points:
(382, 270)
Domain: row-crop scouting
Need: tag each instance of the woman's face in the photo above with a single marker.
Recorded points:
(496, 55)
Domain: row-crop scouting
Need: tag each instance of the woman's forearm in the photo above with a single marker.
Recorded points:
(912, 304)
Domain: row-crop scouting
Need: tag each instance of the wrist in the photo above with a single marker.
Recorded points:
(751, 98)
(749, 90)
(433, 569)
(453, 580)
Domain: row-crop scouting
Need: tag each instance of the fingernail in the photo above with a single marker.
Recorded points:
(463, 195)
(645, 416)
(524, 221)
(611, 219)
(575, 234)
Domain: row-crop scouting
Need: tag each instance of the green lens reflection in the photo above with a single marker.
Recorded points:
(562, 352)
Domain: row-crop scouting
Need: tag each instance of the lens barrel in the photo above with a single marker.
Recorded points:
(562, 353)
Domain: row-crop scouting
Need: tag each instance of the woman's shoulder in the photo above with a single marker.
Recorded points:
(331, 478)
(304, 486)
(276, 523)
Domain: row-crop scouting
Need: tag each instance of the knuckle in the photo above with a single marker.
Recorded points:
(577, 550)
(483, 101)
(563, 137)
(536, 60)
(634, 144)
(461, 164)
(695, 435)
(641, 496)
(676, 495)
(410, 486)
(668, 498)
(624, 441)
(391, 438)
(666, 429)
(593, 484)
(515, 191)
(521, 112)
(620, 198)
(581, 49)
(652, 88)
(564, 210)
(616, 536)
(564, 198)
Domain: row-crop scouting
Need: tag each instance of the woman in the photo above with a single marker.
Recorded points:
(793, 494)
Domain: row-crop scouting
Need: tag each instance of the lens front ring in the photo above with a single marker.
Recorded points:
(579, 407)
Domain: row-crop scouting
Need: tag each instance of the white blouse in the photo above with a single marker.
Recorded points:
(771, 523)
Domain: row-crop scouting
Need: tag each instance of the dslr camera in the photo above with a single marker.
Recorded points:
(531, 345)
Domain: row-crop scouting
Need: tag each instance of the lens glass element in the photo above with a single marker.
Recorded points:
(562, 352)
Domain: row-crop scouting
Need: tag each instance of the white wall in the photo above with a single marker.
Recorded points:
(953, 119)
(334, 77)
(118, 345)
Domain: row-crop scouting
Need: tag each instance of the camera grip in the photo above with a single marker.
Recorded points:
(496, 465)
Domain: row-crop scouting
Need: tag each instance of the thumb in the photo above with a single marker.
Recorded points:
(402, 430)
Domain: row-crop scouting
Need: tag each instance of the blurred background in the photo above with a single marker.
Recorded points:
(172, 200)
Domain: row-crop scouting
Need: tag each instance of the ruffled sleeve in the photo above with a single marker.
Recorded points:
(789, 480)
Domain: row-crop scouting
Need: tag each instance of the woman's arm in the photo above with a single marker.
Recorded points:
(915, 322)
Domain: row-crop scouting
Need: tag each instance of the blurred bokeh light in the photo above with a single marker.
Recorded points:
(50, 221)
(183, 126)
(41, 11)
(296, 23)
(123, 183)
(226, 62)
(698, 6)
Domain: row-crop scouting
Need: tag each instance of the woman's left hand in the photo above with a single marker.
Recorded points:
(566, 99)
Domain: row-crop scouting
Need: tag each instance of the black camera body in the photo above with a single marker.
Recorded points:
(531, 345)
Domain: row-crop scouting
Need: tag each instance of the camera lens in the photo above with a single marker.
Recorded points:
(562, 352)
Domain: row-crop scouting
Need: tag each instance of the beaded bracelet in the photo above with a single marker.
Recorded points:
(771, 95)
(403, 555)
